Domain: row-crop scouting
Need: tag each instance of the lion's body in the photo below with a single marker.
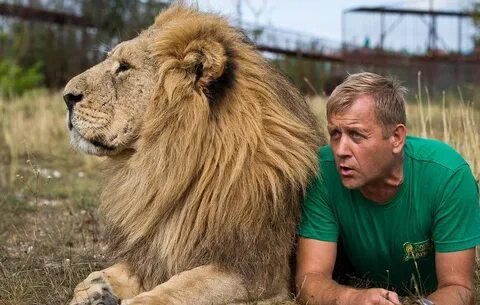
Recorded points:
(220, 152)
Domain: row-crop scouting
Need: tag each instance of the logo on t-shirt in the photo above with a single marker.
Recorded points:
(417, 250)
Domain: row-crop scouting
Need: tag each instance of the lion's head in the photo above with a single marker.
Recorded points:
(211, 148)
(106, 103)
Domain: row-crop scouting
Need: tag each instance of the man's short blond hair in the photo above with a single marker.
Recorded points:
(387, 93)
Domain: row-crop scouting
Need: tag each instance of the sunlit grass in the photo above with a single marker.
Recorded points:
(34, 127)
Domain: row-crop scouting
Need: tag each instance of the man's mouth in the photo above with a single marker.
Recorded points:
(345, 170)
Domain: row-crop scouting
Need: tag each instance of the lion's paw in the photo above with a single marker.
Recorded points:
(94, 291)
(144, 299)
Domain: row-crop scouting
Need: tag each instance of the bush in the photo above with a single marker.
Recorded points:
(15, 80)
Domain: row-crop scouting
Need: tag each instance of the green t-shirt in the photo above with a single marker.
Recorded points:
(435, 209)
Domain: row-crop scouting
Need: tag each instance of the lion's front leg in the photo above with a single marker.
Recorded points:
(107, 287)
(207, 285)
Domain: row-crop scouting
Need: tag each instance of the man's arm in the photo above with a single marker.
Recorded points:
(455, 274)
(315, 286)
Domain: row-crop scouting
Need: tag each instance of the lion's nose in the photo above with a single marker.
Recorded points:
(71, 99)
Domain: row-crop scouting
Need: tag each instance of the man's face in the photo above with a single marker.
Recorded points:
(363, 155)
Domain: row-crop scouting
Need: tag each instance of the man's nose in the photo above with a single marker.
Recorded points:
(343, 147)
(71, 99)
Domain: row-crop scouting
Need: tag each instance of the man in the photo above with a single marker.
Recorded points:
(405, 210)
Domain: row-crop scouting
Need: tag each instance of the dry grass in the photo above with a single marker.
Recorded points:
(32, 126)
(454, 121)
(49, 232)
(50, 235)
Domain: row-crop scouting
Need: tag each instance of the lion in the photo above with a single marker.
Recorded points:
(209, 151)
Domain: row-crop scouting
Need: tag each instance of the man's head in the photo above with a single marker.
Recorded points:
(366, 122)
(387, 93)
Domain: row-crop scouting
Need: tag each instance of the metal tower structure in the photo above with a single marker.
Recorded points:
(429, 17)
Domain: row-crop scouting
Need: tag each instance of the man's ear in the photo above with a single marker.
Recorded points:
(398, 137)
(206, 59)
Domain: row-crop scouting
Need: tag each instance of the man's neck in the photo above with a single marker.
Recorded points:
(384, 189)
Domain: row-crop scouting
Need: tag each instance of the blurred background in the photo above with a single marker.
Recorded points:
(45, 42)
(50, 233)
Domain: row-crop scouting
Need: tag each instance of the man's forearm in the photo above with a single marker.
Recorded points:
(452, 295)
(318, 289)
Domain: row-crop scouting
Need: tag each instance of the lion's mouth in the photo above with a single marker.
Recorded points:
(94, 147)
(69, 121)
(101, 145)
(81, 142)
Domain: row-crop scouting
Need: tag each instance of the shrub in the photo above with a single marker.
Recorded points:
(16, 80)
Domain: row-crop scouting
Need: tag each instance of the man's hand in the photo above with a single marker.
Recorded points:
(374, 296)
(315, 286)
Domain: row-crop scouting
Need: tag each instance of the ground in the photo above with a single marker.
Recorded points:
(50, 232)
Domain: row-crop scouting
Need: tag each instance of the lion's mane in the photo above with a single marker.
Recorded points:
(223, 158)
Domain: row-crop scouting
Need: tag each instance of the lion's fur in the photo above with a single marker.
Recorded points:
(222, 157)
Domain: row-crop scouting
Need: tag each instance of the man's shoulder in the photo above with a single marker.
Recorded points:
(328, 170)
(325, 154)
(433, 152)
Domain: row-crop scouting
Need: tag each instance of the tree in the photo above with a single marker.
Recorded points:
(475, 11)
(65, 50)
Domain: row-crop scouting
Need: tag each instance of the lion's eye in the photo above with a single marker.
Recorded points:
(124, 66)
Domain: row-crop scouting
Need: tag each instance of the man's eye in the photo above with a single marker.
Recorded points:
(124, 66)
(334, 134)
(356, 136)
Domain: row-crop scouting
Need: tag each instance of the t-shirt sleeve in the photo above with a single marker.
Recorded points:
(457, 216)
(318, 219)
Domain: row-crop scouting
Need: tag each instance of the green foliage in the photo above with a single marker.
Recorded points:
(475, 13)
(68, 49)
(121, 19)
(16, 80)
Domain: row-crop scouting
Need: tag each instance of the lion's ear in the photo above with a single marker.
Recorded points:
(206, 59)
